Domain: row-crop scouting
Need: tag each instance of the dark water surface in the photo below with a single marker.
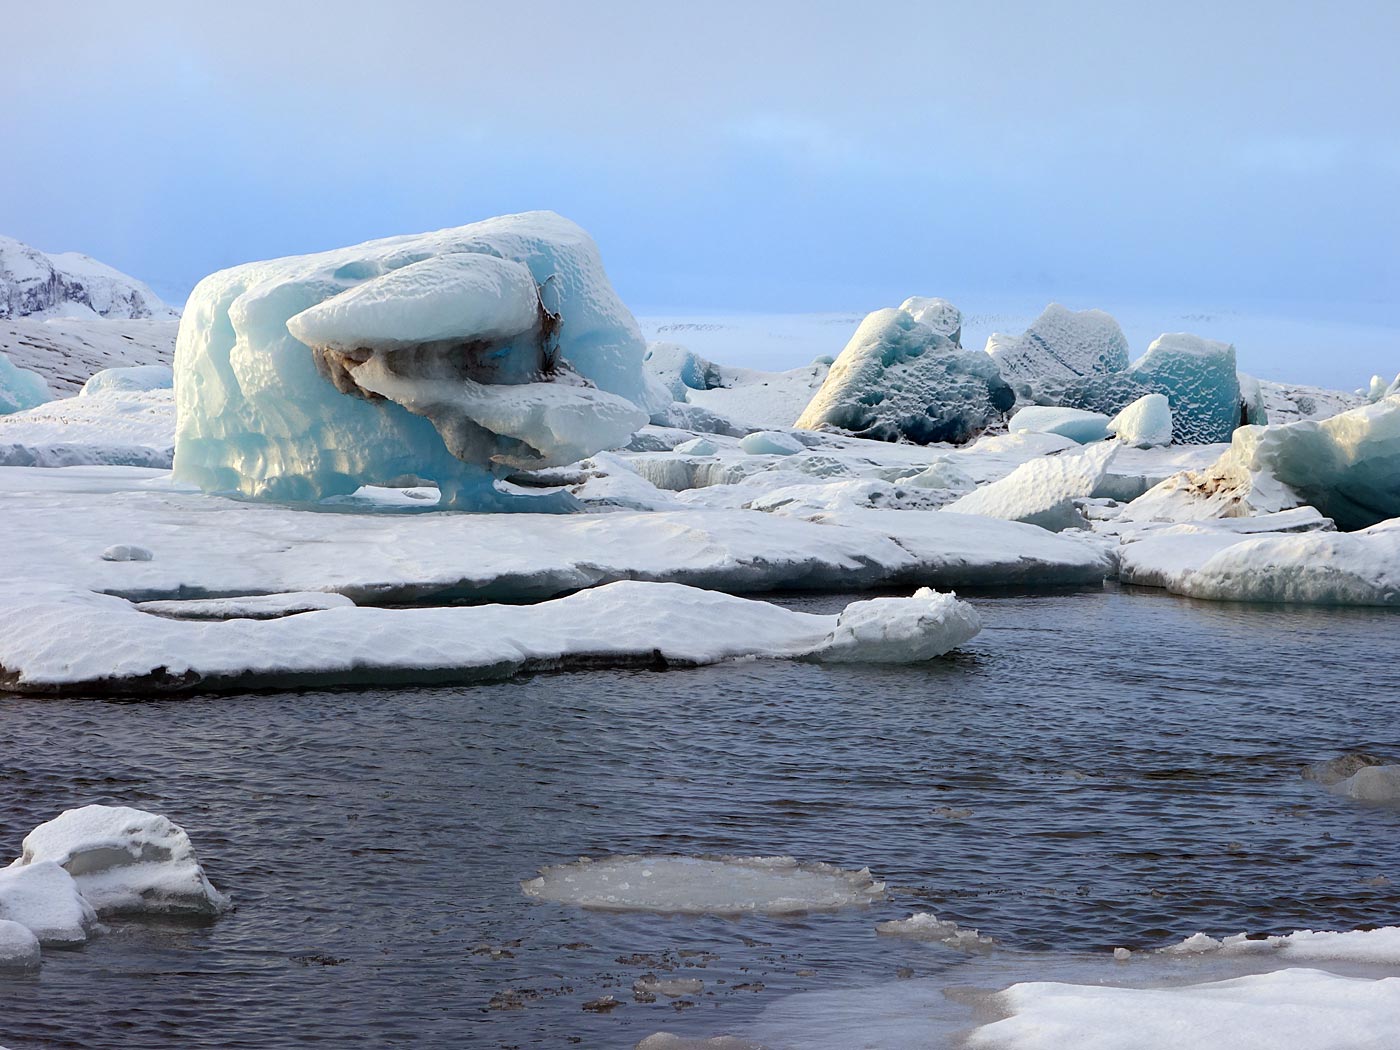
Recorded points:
(1130, 761)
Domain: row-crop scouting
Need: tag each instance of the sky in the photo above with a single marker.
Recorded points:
(733, 156)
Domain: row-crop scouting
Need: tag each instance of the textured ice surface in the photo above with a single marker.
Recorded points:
(926, 926)
(19, 387)
(770, 443)
(1199, 379)
(454, 356)
(899, 379)
(1348, 467)
(1073, 423)
(704, 885)
(1146, 423)
(899, 630)
(130, 378)
(1061, 344)
(44, 898)
(124, 860)
(1042, 492)
(939, 314)
(19, 948)
(1293, 1009)
(114, 428)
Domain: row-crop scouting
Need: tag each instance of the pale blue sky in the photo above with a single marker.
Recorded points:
(787, 156)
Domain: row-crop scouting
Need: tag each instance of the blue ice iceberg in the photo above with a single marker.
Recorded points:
(900, 379)
(456, 356)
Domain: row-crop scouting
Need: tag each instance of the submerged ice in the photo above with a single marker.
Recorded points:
(456, 356)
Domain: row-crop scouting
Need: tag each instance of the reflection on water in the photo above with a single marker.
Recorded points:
(1095, 769)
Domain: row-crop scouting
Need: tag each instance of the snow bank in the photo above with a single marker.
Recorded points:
(926, 926)
(455, 356)
(1146, 423)
(899, 630)
(44, 898)
(704, 885)
(1041, 492)
(900, 379)
(1294, 1008)
(1073, 423)
(130, 378)
(57, 639)
(1348, 467)
(124, 860)
(20, 388)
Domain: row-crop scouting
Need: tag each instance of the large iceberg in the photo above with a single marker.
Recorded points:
(1061, 344)
(899, 378)
(457, 356)
(1348, 467)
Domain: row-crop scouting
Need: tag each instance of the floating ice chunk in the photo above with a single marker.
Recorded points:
(456, 356)
(45, 898)
(926, 926)
(671, 988)
(130, 379)
(1297, 1008)
(770, 443)
(1042, 492)
(124, 860)
(1073, 423)
(19, 948)
(1061, 344)
(1356, 946)
(696, 447)
(251, 607)
(1332, 770)
(1372, 784)
(939, 314)
(1198, 377)
(704, 885)
(899, 630)
(20, 388)
(1348, 467)
(1146, 423)
(671, 1041)
(127, 552)
(899, 379)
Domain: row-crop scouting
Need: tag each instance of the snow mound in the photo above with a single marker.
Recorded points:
(1042, 491)
(44, 898)
(1359, 946)
(36, 284)
(1146, 423)
(124, 860)
(900, 379)
(1348, 467)
(1073, 423)
(130, 378)
(681, 885)
(19, 948)
(899, 630)
(1061, 344)
(1372, 784)
(926, 926)
(1297, 1009)
(770, 443)
(20, 388)
(456, 356)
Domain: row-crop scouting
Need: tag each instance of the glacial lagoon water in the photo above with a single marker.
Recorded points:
(1096, 769)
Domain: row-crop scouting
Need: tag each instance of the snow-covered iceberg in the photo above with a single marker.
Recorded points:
(683, 885)
(926, 926)
(124, 860)
(1146, 423)
(1348, 467)
(1042, 491)
(45, 899)
(456, 356)
(900, 379)
(899, 630)
(19, 387)
(19, 948)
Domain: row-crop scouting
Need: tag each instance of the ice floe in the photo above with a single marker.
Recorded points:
(1372, 784)
(44, 897)
(899, 630)
(704, 885)
(1360, 946)
(926, 926)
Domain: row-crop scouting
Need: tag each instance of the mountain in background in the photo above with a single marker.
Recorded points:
(71, 285)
